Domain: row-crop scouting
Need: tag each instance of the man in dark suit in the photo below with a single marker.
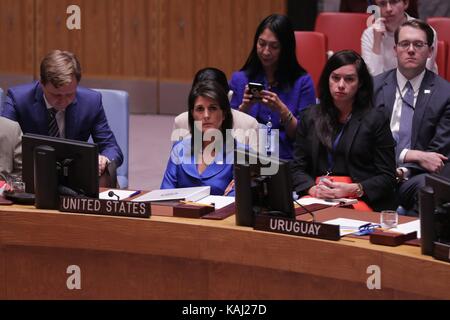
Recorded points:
(418, 103)
(57, 106)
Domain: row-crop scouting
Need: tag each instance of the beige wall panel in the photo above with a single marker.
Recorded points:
(16, 34)
(51, 30)
(152, 39)
(135, 27)
(96, 30)
(176, 38)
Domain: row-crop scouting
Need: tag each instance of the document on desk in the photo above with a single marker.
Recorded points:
(188, 194)
(408, 227)
(122, 194)
(347, 226)
(219, 201)
(329, 202)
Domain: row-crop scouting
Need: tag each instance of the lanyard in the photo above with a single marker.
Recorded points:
(334, 146)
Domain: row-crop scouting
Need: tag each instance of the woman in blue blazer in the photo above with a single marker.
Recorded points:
(288, 88)
(206, 157)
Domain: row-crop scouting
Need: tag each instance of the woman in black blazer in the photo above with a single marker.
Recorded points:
(345, 136)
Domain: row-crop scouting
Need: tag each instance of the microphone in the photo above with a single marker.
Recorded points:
(111, 194)
(306, 211)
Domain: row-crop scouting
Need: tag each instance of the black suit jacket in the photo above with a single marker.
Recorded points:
(431, 120)
(369, 152)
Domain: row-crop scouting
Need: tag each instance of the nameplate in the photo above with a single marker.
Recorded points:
(441, 251)
(114, 208)
(297, 227)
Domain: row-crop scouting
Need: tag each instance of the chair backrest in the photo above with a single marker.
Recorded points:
(343, 29)
(115, 103)
(442, 58)
(311, 50)
(1, 100)
(442, 26)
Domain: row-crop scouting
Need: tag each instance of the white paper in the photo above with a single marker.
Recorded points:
(219, 201)
(189, 194)
(121, 193)
(331, 202)
(408, 227)
(347, 226)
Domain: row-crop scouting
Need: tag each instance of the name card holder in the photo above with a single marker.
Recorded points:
(105, 207)
(441, 251)
(297, 227)
(388, 238)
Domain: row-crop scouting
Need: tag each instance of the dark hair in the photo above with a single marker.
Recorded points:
(417, 24)
(288, 69)
(213, 74)
(327, 112)
(210, 89)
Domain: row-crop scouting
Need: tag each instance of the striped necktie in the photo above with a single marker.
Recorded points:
(53, 129)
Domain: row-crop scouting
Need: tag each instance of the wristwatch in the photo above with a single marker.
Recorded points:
(359, 191)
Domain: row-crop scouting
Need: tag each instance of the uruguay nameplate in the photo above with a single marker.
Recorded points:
(105, 207)
(297, 228)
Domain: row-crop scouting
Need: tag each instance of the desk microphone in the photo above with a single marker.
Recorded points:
(111, 193)
(306, 211)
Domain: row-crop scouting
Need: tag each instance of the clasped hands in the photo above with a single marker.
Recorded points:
(328, 189)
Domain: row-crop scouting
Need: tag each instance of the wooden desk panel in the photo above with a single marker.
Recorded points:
(177, 258)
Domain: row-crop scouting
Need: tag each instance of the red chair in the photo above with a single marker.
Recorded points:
(442, 27)
(343, 29)
(311, 48)
(441, 58)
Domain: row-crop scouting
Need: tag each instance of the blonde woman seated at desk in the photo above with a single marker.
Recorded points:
(206, 157)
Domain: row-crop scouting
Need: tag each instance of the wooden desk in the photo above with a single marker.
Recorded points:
(177, 258)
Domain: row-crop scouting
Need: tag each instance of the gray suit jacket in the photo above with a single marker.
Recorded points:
(431, 120)
(10, 146)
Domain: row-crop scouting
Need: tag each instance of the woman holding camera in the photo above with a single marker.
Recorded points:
(344, 146)
(287, 88)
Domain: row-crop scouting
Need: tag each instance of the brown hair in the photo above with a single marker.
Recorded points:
(417, 24)
(59, 67)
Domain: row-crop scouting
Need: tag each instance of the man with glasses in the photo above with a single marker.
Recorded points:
(418, 103)
(377, 41)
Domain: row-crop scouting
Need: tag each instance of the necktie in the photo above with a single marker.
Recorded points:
(404, 133)
(53, 129)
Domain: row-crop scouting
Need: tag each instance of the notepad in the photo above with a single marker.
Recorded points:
(188, 194)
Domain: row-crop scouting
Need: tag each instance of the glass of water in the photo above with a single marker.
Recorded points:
(389, 219)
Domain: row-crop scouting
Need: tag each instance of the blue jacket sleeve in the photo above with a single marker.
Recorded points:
(104, 137)
(9, 110)
(237, 85)
(307, 93)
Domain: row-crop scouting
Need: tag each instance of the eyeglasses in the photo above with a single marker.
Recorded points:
(418, 45)
(384, 3)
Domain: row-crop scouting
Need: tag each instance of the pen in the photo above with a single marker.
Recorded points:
(197, 204)
(134, 193)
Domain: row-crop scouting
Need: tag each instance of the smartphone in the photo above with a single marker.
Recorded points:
(255, 89)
